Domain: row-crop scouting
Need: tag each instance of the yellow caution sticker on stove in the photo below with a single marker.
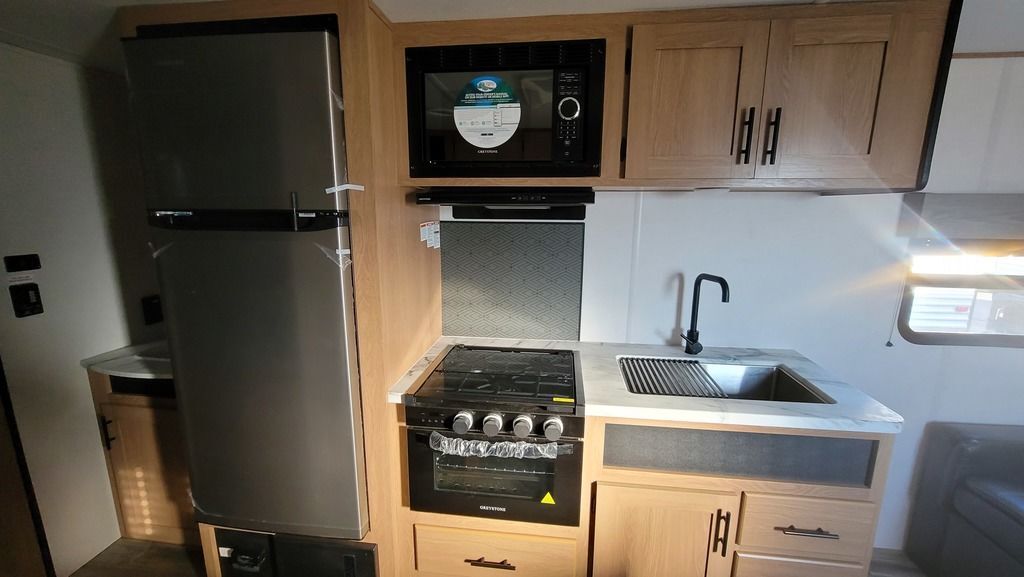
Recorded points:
(563, 400)
(548, 499)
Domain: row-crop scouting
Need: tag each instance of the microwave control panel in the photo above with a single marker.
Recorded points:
(568, 100)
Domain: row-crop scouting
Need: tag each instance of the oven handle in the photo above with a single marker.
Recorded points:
(505, 449)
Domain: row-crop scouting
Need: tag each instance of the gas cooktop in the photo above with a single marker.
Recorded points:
(512, 375)
(469, 385)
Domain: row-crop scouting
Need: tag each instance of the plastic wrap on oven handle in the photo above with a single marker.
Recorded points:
(504, 449)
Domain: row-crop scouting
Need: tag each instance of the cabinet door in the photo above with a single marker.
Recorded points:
(837, 103)
(654, 532)
(695, 92)
(147, 459)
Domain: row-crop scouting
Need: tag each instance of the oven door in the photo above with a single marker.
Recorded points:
(537, 490)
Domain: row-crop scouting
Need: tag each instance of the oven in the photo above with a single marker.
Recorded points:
(499, 477)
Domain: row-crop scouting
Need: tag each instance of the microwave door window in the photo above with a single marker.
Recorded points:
(501, 116)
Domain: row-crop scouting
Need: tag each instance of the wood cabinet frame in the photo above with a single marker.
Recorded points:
(595, 472)
(927, 27)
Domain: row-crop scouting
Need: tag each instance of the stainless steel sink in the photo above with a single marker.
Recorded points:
(691, 378)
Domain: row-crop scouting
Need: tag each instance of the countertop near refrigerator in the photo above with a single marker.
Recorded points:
(605, 393)
(146, 361)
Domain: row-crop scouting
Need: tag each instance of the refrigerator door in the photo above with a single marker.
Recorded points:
(262, 339)
(238, 121)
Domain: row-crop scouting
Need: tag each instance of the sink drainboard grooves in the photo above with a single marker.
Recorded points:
(674, 377)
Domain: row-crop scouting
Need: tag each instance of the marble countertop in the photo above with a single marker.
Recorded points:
(147, 361)
(605, 393)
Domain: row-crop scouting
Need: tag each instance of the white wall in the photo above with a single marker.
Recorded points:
(60, 189)
(981, 132)
(821, 275)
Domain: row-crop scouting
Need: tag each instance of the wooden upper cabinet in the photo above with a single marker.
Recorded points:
(841, 97)
(660, 532)
(695, 93)
(822, 90)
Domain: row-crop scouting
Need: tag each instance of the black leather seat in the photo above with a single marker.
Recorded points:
(996, 509)
(968, 513)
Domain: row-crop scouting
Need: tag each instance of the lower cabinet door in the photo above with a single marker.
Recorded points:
(147, 459)
(765, 566)
(472, 553)
(661, 532)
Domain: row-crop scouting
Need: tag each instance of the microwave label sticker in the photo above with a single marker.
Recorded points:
(487, 112)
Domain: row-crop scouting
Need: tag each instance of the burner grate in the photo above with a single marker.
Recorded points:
(509, 375)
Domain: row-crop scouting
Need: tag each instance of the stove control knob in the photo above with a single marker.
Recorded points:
(522, 426)
(553, 428)
(462, 423)
(492, 424)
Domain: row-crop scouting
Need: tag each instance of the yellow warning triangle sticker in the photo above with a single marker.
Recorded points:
(548, 499)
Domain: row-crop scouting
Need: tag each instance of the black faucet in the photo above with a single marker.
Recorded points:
(692, 336)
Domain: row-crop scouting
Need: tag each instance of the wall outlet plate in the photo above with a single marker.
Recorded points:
(26, 300)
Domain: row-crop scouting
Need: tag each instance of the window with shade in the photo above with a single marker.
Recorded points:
(964, 293)
(965, 273)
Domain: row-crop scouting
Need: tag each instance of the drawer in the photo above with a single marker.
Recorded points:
(792, 524)
(760, 566)
(472, 553)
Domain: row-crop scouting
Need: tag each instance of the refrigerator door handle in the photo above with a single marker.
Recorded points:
(295, 211)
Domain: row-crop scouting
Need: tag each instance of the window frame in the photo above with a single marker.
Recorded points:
(982, 282)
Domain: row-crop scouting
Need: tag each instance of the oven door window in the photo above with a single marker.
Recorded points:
(497, 116)
(529, 479)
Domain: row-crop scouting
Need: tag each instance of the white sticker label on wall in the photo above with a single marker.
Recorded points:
(435, 235)
(20, 278)
(424, 231)
(487, 112)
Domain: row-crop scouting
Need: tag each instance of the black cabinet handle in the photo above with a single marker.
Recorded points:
(818, 533)
(721, 537)
(482, 562)
(747, 135)
(774, 127)
(105, 431)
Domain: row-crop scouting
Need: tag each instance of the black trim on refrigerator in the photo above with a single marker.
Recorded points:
(26, 478)
(310, 23)
(247, 220)
(945, 58)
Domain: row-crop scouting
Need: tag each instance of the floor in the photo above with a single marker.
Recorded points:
(893, 563)
(127, 558)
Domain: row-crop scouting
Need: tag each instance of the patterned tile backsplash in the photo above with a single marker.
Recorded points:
(514, 280)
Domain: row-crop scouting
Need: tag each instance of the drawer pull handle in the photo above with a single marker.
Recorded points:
(482, 562)
(818, 533)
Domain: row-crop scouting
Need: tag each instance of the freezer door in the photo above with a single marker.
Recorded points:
(263, 350)
(238, 121)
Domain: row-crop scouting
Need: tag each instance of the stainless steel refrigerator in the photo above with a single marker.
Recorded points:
(242, 138)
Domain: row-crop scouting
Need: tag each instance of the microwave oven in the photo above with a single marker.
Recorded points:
(506, 110)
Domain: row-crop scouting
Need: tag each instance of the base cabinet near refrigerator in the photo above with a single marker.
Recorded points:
(140, 429)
